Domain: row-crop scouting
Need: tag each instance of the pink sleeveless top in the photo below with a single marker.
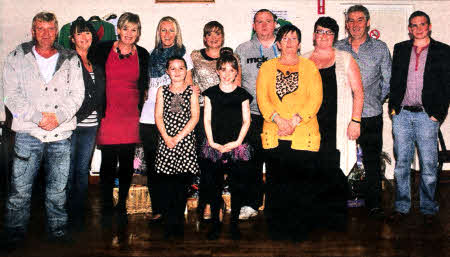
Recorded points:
(121, 122)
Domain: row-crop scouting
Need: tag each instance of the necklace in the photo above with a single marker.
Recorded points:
(123, 56)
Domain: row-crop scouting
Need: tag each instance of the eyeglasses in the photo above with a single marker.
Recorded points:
(324, 32)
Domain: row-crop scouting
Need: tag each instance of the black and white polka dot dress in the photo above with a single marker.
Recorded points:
(176, 114)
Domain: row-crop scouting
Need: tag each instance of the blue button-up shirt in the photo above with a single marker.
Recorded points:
(374, 60)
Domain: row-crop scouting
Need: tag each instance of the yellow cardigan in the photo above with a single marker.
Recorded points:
(305, 101)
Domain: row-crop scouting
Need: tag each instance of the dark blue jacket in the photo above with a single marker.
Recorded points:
(436, 78)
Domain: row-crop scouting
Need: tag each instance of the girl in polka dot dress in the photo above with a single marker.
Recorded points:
(176, 115)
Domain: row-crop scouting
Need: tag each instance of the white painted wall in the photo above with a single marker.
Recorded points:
(235, 15)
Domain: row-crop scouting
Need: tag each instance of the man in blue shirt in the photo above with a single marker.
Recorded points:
(374, 62)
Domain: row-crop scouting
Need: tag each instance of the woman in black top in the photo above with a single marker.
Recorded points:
(83, 36)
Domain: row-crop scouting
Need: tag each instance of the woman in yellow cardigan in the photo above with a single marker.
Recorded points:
(289, 95)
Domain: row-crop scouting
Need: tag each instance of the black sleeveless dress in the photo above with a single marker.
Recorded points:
(328, 110)
(333, 192)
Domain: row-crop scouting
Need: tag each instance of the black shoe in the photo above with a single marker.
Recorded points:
(120, 209)
(168, 234)
(397, 217)
(9, 244)
(235, 232)
(65, 239)
(76, 225)
(106, 221)
(277, 232)
(214, 232)
(428, 219)
(377, 213)
(299, 237)
(7, 247)
(179, 231)
(169, 231)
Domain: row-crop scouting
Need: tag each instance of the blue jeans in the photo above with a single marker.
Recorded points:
(83, 141)
(410, 128)
(28, 153)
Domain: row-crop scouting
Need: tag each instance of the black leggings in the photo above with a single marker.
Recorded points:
(175, 189)
(150, 135)
(239, 177)
(111, 155)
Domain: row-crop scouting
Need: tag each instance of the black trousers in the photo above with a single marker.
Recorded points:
(111, 155)
(371, 142)
(255, 186)
(175, 190)
(239, 177)
(200, 137)
(291, 190)
(149, 135)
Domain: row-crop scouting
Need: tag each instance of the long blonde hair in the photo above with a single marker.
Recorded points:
(178, 38)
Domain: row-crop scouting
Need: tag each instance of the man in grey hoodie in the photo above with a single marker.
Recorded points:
(43, 89)
(252, 54)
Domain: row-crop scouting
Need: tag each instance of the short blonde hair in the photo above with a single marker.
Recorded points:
(178, 38)
(44, 17)
(129, 17)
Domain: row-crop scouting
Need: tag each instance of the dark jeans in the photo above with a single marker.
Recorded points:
(111, 155)
(28, 154)
(149, 135)
(239, 177)
(371, 141)
(83, 142)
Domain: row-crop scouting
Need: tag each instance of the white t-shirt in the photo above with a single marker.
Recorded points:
(148, 110)
(46, 66)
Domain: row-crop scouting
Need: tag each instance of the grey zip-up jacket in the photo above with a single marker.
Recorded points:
(27, 95)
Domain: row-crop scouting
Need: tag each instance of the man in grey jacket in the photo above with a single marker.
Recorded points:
(43, 89)
(252, 54)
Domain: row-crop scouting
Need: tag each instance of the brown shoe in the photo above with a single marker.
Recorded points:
(156, 217)
(397, 217)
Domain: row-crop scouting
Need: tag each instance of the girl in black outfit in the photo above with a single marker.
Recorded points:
(226, 120)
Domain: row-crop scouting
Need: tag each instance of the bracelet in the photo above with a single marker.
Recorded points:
(273, 116)
(356, 121)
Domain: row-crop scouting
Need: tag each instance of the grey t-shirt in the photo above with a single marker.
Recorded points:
(252, 54)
